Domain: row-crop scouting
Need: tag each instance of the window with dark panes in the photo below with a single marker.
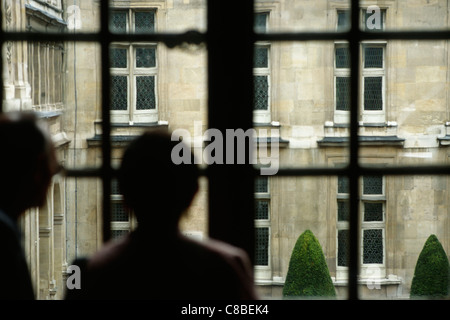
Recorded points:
(133, 69)
(262, 223)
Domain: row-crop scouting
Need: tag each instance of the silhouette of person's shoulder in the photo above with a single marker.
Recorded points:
(179, 268)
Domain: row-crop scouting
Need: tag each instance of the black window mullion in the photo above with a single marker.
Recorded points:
(230, 98)
(106, 169)
(354, 173)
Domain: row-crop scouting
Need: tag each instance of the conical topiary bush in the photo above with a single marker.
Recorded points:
(431, 275)
(308, 274)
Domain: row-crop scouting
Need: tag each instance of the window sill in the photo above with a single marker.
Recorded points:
(390, 280)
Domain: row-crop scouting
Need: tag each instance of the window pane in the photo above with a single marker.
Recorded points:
(373, 211)
(261, 58)
(261, 22)
(145, 92)
(373, 99)
(119, 58)
(145, 57)
(262, 209)
(261, 98)
(343, 93)
(343, 248)
(343, 185)
(261, 246)
(119, 21)
(342, 57)
(372, 185)
(373, 57)
(343, 20)
(144, 22)
(343, 211)
(116, 234)
(118, 212)
(372, 246)
(262, 184)
(119, 92)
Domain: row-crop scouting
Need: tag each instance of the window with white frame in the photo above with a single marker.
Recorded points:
(373, 72)
(133, 69)
(262, 228)
(373, 225)
(261, 73)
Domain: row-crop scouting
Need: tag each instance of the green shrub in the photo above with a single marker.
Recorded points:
(431, 275)
(308, 274)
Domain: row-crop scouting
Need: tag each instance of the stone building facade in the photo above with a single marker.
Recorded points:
(301, 96)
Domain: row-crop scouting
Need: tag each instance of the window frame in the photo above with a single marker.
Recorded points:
(132, 114)
(239, 33)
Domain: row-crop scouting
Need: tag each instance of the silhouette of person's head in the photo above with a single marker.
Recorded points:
(27, 162)
(156, 189)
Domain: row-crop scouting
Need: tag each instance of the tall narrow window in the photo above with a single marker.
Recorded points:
(262, 228)
(261, 73)
(372, 72)
(133, 69)
(372, 208)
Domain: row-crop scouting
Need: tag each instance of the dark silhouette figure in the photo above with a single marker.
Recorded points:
(156, 261)
(27, 164)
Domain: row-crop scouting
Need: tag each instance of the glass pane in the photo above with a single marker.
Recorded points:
(262, 209)
(373, 57)
(372, 185)
(373, 246)
(118, 212)
(119, 21)
(261, 246)
(145, 92)
(343, 20)
(343, 185)
(373, 93)
(145, 57)
(343, 93)
(261, 20)
(119, 92)
(116, 234)
(262, 184)
(144, 22)
(119, 58)
(343, 210)
(342, 57)
(261, 59)
(343, 248)
(261, 99)
(373, 211)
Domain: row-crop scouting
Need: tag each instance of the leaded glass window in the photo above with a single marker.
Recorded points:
(373, 93)
(372, 185)
(115, 234)
(119, 96)
(343, 210)
(119, 21)
(343, 247)
(262, 184)
(343, 93)
(342, 57)
(261, 98)
(343, 186)
(373, 57)
(261, 59)
(262, 209)
(119, 58)
(261, 246)
(145, 57)
(373, 211)
(373, 246)
(144, 22)
(118, 212)
(145, 93)
(133, 69)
